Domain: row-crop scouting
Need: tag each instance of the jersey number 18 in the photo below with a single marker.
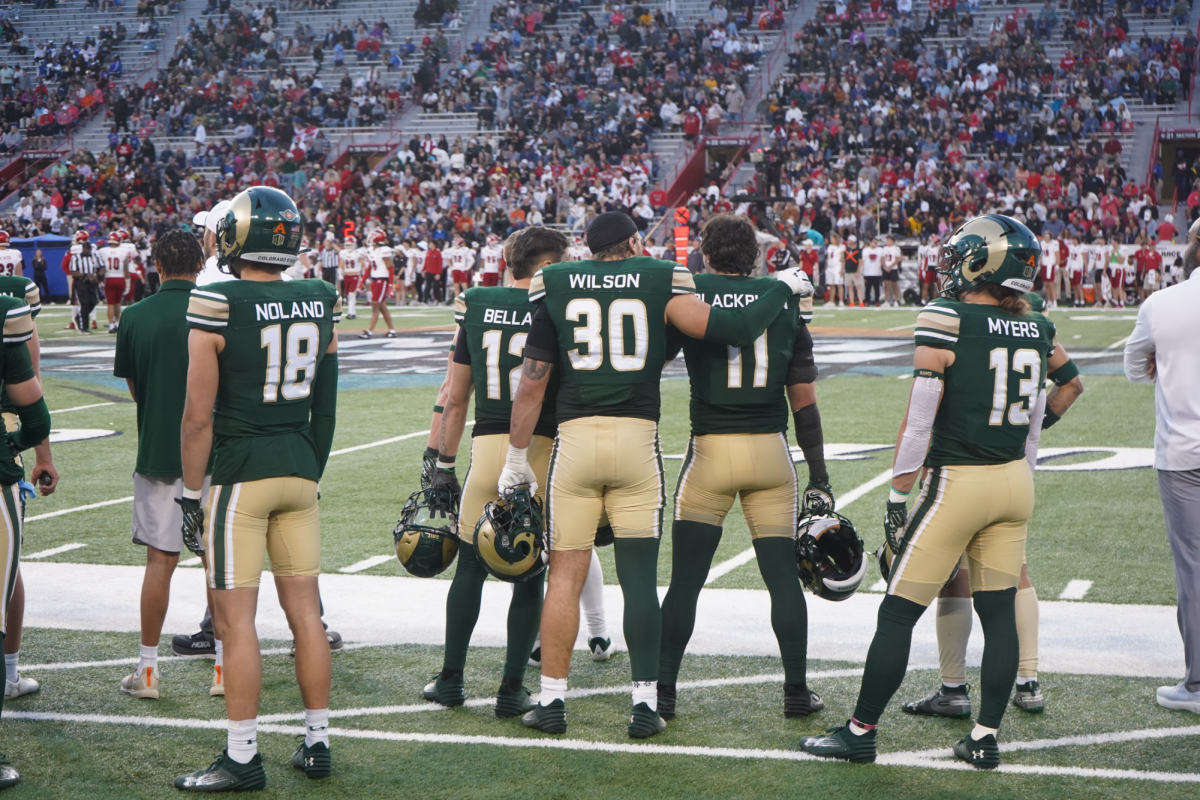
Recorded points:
(303, 338)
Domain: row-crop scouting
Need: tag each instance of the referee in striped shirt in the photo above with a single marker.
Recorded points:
(86, 270)
(329, 262)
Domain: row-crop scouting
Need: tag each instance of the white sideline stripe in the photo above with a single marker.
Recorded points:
(1118, 343)
(744, 557)
(893, 760)
(1084, 740)
(1076, 590)
(80, 408)
(371, 711)
(129, 499)
(194, 561)
(366, 564)
(88, 507)
(53, 551)
(117, 662)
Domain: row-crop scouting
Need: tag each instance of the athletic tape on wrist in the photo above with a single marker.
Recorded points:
(922, 408)
(191, 494)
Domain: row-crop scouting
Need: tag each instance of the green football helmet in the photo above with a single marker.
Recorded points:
(989, 249)
(509, 537)
(427, 534)
(1036, 302)
(262, 225)
(830, 556)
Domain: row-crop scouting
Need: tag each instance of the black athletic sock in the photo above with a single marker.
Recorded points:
(887, 660)
(462, 607)
(637, 572)
(1001, 653)
(524, 617)
(430, 452)
(693, 545)
(789, 613)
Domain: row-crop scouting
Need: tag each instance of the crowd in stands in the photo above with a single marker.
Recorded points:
(890, 136)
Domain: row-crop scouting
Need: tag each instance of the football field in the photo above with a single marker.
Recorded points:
(1097, 554)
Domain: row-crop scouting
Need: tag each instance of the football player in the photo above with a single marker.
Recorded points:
(973, 422)
(739, 411)
(24, 391)
(261, 392)
(351, 261)
(602, 325)
(1050, 269)
(382, 273)
(493, 323)
(116, 277)
(11, 262)
(461, 260)
(44, 476)
(1077, 256)
(951, 698)
(491, 256)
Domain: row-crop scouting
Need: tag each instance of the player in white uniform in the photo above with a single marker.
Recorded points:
(492, 259)
(351, 259)
(1076, 258)
(116, 277)
(1117, 274)
(414, 258)
(11, 263)
(460, 259)
(1097, 263)
(383, 272)
(835, 265)
(578, 251)
(1050, 267)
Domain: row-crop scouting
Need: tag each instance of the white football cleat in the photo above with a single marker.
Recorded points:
(1179, 698)
(20, 687)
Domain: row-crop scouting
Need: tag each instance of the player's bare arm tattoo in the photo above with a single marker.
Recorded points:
(536, 370)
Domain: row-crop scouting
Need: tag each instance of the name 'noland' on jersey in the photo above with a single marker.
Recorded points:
(308, 309)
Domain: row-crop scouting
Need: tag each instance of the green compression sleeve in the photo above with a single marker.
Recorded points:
(740, 327)
(324, 407)
(35, 424)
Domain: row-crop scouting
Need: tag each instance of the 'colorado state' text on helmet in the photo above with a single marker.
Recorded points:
(427, 534)
(509, 537)
(262, 225)
(991, 248)
(830, 557)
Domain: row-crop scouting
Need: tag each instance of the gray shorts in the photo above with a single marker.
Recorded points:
(157, 518)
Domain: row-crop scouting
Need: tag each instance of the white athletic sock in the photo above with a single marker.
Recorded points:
(980, 732)
(553, 689)
(220, 654)
(646, 692)
(953, 685)
(1026, 679)
(592, 600)
(148, 658)
(10, 666)
(242, 740)
(858, 730)
(317, 724)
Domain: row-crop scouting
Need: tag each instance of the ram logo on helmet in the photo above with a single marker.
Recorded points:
(992, 248)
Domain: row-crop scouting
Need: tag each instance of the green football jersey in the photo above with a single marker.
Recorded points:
(743, 390)
(610, 317)
(276, 334)
(990, 389)
(24, 289)
(15, 365)
(495, 321)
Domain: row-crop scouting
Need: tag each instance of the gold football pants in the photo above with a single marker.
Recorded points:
(757, 467)
(274, 517)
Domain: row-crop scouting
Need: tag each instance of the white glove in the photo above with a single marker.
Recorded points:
(797, 281)
(516, 471)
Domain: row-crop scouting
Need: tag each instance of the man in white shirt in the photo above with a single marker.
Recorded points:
(460, 259)
(872, 272)
(835, 263)
(1163, 351)
(891, 272)
(1050, 268)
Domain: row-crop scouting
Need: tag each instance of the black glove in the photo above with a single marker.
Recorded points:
(818, 496)
(193, 524)
(445, 479)
(428, 467)
(893, 524)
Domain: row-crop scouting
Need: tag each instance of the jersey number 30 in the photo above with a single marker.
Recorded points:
(589, 334)
(1029, 364)
(298, 371)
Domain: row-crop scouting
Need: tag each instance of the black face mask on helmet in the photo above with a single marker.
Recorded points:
(830, 556)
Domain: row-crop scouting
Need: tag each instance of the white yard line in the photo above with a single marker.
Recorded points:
(1075, 590)
(1118, 343)
(343, 451)
(80, 408)
(117, 662)
(903, 327)
(893, 760)
(746, 556)
(194, 561)
(367, 563)
(53, 551)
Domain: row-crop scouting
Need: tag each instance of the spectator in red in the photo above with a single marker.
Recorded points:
(809, 258)
(1167, 231)
(691, 124)
(435, 284)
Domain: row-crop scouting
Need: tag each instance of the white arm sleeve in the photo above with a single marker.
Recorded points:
(1035, 430)
(922, 408)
